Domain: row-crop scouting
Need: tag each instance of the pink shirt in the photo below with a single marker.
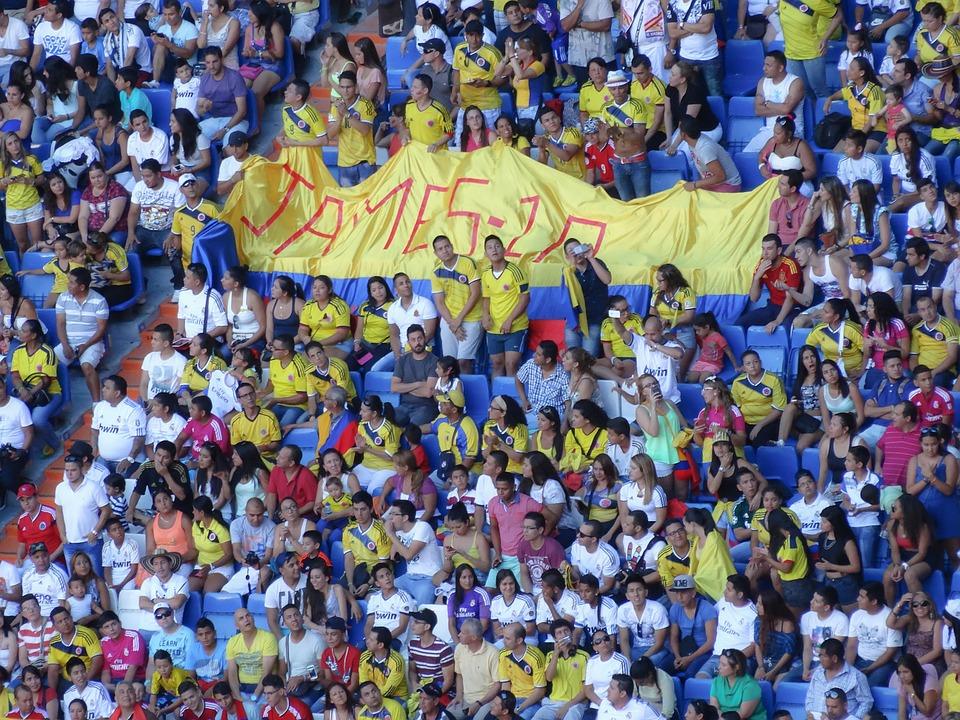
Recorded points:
(510, 520)
(212, 431)
(128, 649)
(712, 348)
(898, 447)
(895, 333)
(788, 219)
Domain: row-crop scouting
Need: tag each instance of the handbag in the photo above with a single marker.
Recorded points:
(756, 26)
(41, 397)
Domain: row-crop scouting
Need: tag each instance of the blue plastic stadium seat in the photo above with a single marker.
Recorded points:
(476, 390)
(136, 280)
(356, 630)
(886, 701)
(666, 171)
(13, 260)
(719, 107)
(42, 151)
(286, 66)
(798, 337)
(773, 359)
(747, 165)
(899, 226)
(943, 173)
(397, 63)
(223, 625)
(766, 697)
(691, 400)
(357, 382)
(735, 339)
(936, 588)
(696, 689)
(377, 382)
(758, 337)
(160, 107)
(432, 448)
(792, 696)
(835, 49)
(742, 123)
(192, 610)
(779, 462)
(507, 106)
(830, 163)
(504, 385)
(220, 602)
(48, 318)
(398, 97)
(336, 557)
(252, 118)
(255, 604)
(33, 260)
(36, 287)
(743, 60)
(63, 375)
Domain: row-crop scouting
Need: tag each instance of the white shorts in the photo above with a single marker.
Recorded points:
(91, 356)
(22, 217)
(304, 26)
(461, 349)
(372, 480)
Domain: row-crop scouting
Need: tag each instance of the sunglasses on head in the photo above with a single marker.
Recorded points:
(833, 694)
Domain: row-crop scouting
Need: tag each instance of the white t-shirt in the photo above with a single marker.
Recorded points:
(837, 625)
(866, 168)
(898, 168)
(621, 459)
(115, 47)
(602, 617)
(9, 578)
(96, 697)
(698, 46)
(158, 429)
(156, 147)
(853, 489)
(604, 562)
(640, 554)
(522, 610)
(186, 94)
(299, 656)
(117, 427)
(566, 606)
(421, 308)
(599, 673)
(222, 391)
(734, 626)
(927, 222)
(882, 279)
(179, 158)
(873, 635)
(809, 515)
(634, 710)
(14, 417)
(279, 595)
(80, 507)
(952, 281)
(387, 611)
(229, 167)
(121, 559)
(153, 589)
(164, 373)
(485, 492)
(632, 494)
(157, 204)
(428, 561)
(656, 363)
(191, 307)
(16, 33)
(58, 42)
(643, 629)
(49, 588)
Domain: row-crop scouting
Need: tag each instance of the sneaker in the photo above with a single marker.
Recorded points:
(571, 80)
(557, 81)
(151, 84)
(48, 451)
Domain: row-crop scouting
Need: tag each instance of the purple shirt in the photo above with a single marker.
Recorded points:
(537, 561)
(223, 92)
(475, 604)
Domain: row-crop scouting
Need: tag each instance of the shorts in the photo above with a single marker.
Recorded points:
(879, 135)
(91, 356)
(354, 175)
(847, 588)
(498, 344)
(560, 46)
(798, 593)
(23, 217)
(806, 424)
(685, 336)
(663, 469)
(704, 366)
(304, 26)
(465, 349)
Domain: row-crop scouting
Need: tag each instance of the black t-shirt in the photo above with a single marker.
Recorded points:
(696, 95)
(534, 32)
(103, 94)
(923, 285)
(595, 294)
(150, 480)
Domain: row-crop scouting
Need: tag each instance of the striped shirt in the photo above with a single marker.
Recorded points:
(898, 447)
(36, 641)
(82, 317)
(542, 391)
(428, 662)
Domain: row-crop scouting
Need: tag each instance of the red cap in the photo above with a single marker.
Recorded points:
(26, 490)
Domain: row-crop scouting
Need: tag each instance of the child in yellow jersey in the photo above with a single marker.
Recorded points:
(58, 267)
(164, 683)
(787, 554)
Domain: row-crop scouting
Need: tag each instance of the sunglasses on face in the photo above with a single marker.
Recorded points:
(922, 603)
(162, 615)
(600, 641)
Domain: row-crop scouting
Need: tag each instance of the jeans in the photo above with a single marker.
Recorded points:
(45, 131)
(549, 709)
(879, 677)
(356, 174)
(759, 316)
(740, 553)
(93, 550)
(712, 72)
(419, 586)
(212, 125)
(591, 343)
(867, 539)
(949, 150)
(287, 414)
(41, 421)
(813, 72)
(904, 28)
(149, 239)
(632, 179)
(415, 415)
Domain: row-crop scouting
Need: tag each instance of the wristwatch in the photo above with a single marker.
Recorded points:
(128, 459)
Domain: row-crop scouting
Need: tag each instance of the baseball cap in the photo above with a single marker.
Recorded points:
(683, 582)
(187, 178)
(432, 690)
(26, 490)
(591, 126)
(426, 615)
(616, 78)
(38, 547)
(336, 623)
(435, 44)
(454, 395)
(161, 606)
(238, 138)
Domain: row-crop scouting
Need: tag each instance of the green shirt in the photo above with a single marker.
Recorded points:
(731, 698)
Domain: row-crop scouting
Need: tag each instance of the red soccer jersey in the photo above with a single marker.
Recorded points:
(211, 711)
(295, 710)
(786, 271)
(342, 664)
(15, 714)
(40, 528)
(935, 408)
(600, 159)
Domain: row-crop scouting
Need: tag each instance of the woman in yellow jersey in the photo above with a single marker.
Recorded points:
(506, 430)
(326, 319)
(522, 63)
(214, 552)
(378, 440)
(838, 337)
(594, 95)
(33, 369)
(548, 437)
(507, 134)
(586, 438)
(675, 303)
(866, 101)
(196, 375)
(598, 496)
(20, 175)
(787, 554)
(371, 337)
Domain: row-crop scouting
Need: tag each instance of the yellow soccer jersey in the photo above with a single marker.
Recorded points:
(355, 147)
(289, 379)
(455, 284)
(503, 292)
(196, 379)
(461, 438)
(189, 221)
(849, 348)
(385, 437)
(84, 644)
(429, 125)
(389, 675)
(262, 430)
(576, 166)
(609, 335)
(669, 565)
(863, 104)
(41, 362)
(929, 343)
(756, 399)
(324, 321)
(650, 96)
(477, 64)
(59, 275)
(592, 101)
(336, 373)
(757, 526)
(524, 673)
(304, 123)
(368, 546)
(628, 114)
(376, 329)
(799, 19)
(671, 308)
(515, 438)
(935, 54)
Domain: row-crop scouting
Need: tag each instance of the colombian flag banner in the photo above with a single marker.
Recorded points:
(291, 217)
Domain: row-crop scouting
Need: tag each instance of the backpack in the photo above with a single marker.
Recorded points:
(71, 157)
(831, 130)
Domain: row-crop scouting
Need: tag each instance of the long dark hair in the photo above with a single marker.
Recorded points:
(953, 214)
(314, 600)
(205, 506)
(915, 516)
(250, 462)
(868, 204)
(913, 157)
(802, 374)
(351, 705)
(553, 417)
(340, 44)
(381, 408)
(841, 380)
(541, 470)
(837, 518)
(777, 521)
(885, 310)
(381, 280)
(911, 663)
(288, 286)
(49, 199)
(484, 130)
(774, 610)
(432, 12)
(58, 73)
(211, 477)
(187, 137)
(457, 574)
(18, 75)
(371, 58)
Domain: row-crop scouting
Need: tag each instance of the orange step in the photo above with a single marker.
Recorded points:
(131, 370)
(167, 312)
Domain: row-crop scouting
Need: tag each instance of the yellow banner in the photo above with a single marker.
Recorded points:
(291, 216)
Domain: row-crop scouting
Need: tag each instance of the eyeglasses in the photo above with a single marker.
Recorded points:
(922, 603)
(600, 641)
(678, 531)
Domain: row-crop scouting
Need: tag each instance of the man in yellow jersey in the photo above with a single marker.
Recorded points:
(456, 432)
(365, 543)
(455, 284)
(561, 148)
(325, 372)
(651, 92)
(187, 222)
(616, 353)
(802, 46)
(426, 120)
(255, 424)
(474, 76)
(303, 126)
(624, 118)
(351, 124)
(760, 396)
(938, 45)
(506, 295)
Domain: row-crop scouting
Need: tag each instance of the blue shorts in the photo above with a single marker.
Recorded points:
(498, 344)
(560, 46)
(354, 175)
